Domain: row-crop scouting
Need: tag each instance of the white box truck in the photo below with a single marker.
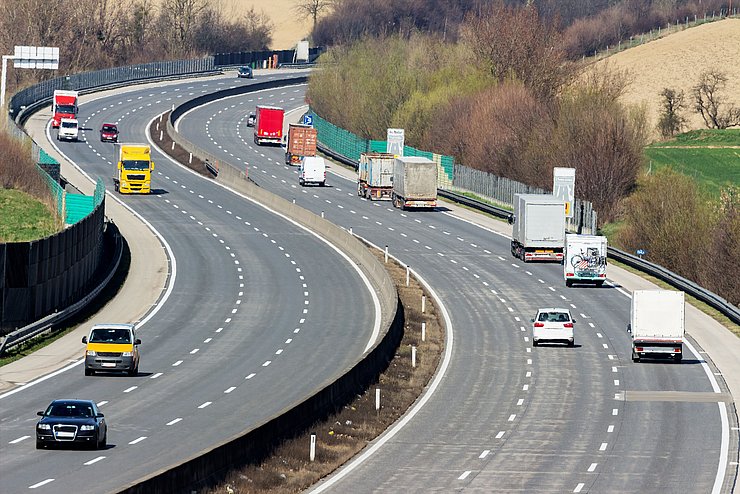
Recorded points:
(414, 182)
(375, 176)
(585, 259)
(539, 227)
(312, 171)
(657, 324)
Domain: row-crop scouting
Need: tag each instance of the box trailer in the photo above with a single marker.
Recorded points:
(269, 125)
(539, 227)
(657, 324)
(414, 182)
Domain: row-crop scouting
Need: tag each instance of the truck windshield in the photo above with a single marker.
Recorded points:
(135, 164)
(110, 335)
(69, 125)
(66, 109)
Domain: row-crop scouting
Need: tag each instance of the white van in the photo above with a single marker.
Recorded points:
(68, 130)
(312, 171)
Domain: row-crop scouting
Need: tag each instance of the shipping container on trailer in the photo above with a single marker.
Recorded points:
(375, 176)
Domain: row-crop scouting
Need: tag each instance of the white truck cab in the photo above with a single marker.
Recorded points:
(68, 130)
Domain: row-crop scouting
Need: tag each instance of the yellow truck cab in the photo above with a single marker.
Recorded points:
(112, 347)
(135, 166)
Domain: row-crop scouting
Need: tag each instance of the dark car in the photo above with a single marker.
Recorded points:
(109, 133)
(71, 422)
(245, 72)
(251, 119)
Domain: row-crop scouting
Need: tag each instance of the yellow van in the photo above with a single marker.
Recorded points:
(112, 347)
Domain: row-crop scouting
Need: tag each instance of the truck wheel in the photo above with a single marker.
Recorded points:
(89, 372)
(535, 342)
(568, 283)
(572, 343)
(635, 357)
(678, 357)
(599, 284)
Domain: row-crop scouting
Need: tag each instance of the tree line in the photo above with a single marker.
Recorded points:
(96, 34)
(585, 26)
(502, 95)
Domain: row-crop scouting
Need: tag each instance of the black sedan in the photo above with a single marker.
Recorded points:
(245, 72)
(71, 422)
(251, 119)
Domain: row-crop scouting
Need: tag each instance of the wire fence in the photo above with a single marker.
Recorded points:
(659, 32)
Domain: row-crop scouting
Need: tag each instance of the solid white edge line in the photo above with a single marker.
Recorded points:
(724, 448)
(390, 433)
(157, 305)
(376, 301)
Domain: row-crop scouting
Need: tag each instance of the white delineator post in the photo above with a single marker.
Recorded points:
(423, 331)
(413, 356)
(377, 399)
(312, 450)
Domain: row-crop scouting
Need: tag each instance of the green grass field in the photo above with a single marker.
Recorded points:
(24, 218)
(703, 138)
(699, 154)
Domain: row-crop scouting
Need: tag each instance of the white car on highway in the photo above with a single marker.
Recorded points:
(553, 325)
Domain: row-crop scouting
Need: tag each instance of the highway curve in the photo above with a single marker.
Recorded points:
(505, 416)
(259, 313)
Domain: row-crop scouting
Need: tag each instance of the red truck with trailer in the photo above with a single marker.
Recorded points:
(301, 142)
(63, 105)
(269, 125)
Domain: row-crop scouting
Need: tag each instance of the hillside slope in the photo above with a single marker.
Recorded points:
(677, 60)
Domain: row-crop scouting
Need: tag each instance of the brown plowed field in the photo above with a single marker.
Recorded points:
(676, 61)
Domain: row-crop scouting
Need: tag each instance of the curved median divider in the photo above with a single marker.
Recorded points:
(252, 445)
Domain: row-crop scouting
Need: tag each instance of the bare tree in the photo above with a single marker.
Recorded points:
(671, 120)
(313, 9)
(513, 43)
(710, 103)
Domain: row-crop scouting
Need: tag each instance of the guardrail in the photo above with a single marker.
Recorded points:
(25, 333)
(676, 281)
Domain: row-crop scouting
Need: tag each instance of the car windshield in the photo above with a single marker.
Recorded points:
(69, 125)
(109, 128)
(69, 410)
(110, 335)
(243, 70)
(553, 317)
(65, 109)
(136, 164)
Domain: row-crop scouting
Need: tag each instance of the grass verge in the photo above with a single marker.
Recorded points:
(24, 218)
(346, 433)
